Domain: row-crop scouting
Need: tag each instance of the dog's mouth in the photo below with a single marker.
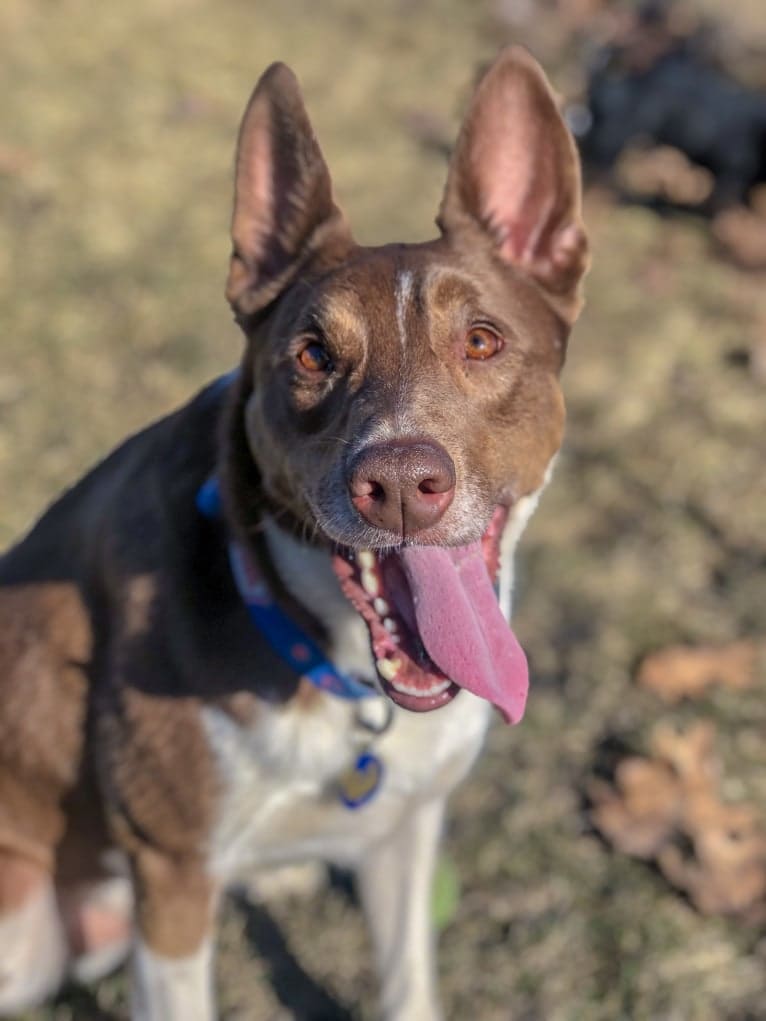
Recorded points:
(435, 623)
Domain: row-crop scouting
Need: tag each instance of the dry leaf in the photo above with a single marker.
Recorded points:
(665, 172)
(726, 874)
(668, 809)
(682, 671)
(638, 814)
(742, 233)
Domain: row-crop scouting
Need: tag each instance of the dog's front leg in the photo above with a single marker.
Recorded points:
(172, 968)
(395, 880)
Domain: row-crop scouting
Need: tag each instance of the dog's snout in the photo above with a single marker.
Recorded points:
(403, 486)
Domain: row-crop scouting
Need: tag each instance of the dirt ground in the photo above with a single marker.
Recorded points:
(117, 124)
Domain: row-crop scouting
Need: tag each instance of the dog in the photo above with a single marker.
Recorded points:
(264, 629)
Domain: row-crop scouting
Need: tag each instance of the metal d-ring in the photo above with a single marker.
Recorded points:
(375, 728)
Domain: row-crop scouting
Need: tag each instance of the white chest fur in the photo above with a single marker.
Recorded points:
(279, 775)
(280, 799)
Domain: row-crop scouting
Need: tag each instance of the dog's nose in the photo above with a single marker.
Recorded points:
(404, 486)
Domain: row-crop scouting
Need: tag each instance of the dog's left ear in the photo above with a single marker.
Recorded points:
(284, 213)
(515, 173)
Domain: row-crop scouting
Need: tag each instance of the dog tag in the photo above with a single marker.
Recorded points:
(359, 783)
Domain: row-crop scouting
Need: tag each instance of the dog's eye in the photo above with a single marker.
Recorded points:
(481, 343)
(313, 358)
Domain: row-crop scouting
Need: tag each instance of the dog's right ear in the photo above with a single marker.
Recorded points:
(515, 173)
(284, 213)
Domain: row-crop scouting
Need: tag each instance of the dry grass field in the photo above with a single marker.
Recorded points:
(117, 124)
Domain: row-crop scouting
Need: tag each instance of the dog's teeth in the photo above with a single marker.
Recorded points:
(393, 629)
(370, 582)
(407, 689)
(388, 668)
(365, 558)
(381, 607)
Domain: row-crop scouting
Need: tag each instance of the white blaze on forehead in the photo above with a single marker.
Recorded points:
(403, 290)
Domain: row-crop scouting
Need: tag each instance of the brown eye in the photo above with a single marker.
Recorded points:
(481, 343)
(313, 358)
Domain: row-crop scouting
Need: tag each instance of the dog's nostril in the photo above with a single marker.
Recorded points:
(435, 486)
(402, 486)
(370, 489)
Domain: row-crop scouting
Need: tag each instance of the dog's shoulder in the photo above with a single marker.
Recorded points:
(127, 505)
(123, 572)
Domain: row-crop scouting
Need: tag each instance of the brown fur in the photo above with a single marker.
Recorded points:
(44, 646)
(120, 619)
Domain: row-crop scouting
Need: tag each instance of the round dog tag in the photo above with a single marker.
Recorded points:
(360, 783)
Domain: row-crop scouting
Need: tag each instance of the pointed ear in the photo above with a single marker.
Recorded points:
(284, 213)
(515, 172)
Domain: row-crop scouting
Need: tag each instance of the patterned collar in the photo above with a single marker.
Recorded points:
(289, 641)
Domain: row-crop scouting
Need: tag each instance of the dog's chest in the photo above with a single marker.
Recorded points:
(279, 778)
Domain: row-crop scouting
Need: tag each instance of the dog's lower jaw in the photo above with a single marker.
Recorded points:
(435, 625)
(352, 592)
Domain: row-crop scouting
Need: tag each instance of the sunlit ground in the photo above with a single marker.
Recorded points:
(116, 138)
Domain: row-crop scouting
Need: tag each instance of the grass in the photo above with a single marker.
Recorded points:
(116, 140)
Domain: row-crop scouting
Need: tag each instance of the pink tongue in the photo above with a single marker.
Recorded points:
(461, 625)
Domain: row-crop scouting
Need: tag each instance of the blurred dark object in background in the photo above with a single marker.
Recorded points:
(657, 83)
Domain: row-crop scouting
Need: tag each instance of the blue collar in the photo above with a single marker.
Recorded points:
(289, 642)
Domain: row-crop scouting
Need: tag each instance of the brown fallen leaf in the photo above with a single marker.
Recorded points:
(668, 809)
(665, 172)
(638, 814)
(683, 671)
(726, 874)
(690, 753)
(742, 233)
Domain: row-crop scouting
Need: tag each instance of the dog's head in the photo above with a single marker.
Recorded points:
(401, 402)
